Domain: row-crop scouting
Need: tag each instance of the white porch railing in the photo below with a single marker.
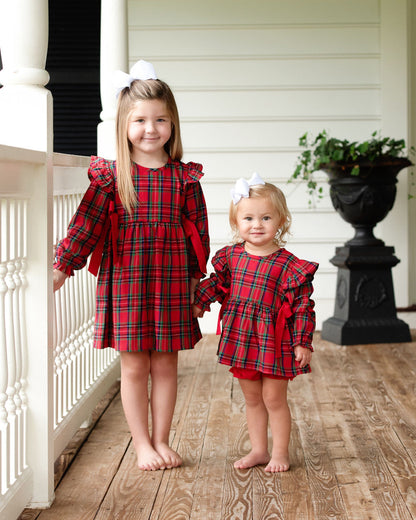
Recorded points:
(50, 377)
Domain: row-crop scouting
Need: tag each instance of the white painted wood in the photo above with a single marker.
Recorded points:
(252, 40)
(39, 338)
(113, 56)
(13, 501)
(4, 428)
(395, 121)
(24, 358)
(50, 378)
(26, 122)
(142, 13)
(250, 81)
(23, 43)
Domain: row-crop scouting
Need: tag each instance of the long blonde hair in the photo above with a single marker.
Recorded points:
(278, 200)
(141, 90)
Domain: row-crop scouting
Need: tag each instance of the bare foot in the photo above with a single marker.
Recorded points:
(148, 459)
(170, 457)
(278, 464)
(252, 459)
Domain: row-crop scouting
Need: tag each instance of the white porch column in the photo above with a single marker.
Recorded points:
(395, 109)
(25, 105)
(26, 122)
(114, 56)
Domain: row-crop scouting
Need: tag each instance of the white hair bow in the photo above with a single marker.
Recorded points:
(140, 70)
(242, 187)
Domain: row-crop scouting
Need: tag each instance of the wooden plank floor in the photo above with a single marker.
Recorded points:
(353, 448)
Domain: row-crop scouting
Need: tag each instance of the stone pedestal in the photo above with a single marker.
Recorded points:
(365, 309)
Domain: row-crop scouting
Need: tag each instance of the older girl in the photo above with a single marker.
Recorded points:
(153, 256)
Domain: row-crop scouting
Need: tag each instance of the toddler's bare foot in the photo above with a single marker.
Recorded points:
(148, 459)
(278, 464)
(252, 459)
(170, 457)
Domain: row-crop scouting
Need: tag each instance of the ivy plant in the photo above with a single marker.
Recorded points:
(323, 150)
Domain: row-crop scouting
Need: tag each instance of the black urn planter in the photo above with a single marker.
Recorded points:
(365, 310)
(364, 200)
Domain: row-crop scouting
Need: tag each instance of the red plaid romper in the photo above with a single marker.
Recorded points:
(267, 309)
(143, 300)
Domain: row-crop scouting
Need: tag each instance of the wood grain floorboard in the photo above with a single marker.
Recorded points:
(353, 447)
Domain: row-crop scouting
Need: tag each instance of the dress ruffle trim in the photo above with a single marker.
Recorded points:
(193, 172)
(219, 261)
(102, 171)
(301, 271)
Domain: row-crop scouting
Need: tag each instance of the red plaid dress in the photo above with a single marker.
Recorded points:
(143, 300)
(267, 308)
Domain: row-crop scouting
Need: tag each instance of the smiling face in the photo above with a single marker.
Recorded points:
(149, 129)
(257, 223)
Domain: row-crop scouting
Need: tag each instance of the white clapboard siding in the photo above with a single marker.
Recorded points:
(249, 79)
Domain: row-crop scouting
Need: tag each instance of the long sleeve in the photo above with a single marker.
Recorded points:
(194, 209)
(216, 287)
(87, 224)
(298, 295)
(303, 318)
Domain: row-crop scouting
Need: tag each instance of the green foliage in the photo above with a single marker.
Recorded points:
(323, 150)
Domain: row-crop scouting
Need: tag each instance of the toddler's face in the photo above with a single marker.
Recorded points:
(257, 221)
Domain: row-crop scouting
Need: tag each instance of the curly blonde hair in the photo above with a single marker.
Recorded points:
(141, 90)
(278, 200)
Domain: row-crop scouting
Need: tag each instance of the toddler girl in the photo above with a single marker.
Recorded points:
(267, 315)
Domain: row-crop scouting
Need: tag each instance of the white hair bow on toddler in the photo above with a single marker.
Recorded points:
(242, 187)
(141, 70)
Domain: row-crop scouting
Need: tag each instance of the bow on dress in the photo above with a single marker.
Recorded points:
(141, 70)
(242, 187)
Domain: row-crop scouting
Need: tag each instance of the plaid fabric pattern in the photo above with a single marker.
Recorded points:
(143, 300)
(257, 289)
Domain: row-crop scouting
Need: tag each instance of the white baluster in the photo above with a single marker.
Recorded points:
(4, 427)
(71, 345)
(66, 350)
(75, 327)
(83, 318)
(58, 326)
(65, 356)
(77, 344)
(23, 336)
(11, 364)
(19, 354)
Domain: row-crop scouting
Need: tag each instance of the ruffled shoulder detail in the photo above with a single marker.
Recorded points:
(220, 259)
(103, 172)
(192, 172)
(298, 271)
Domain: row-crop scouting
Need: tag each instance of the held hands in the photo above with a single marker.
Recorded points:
(303, 356)
(197, 312)
(194, 283)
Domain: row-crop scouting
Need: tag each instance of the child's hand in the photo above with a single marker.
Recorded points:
(58, 279)
(197, 312)
(303, 356)
(194, 283)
